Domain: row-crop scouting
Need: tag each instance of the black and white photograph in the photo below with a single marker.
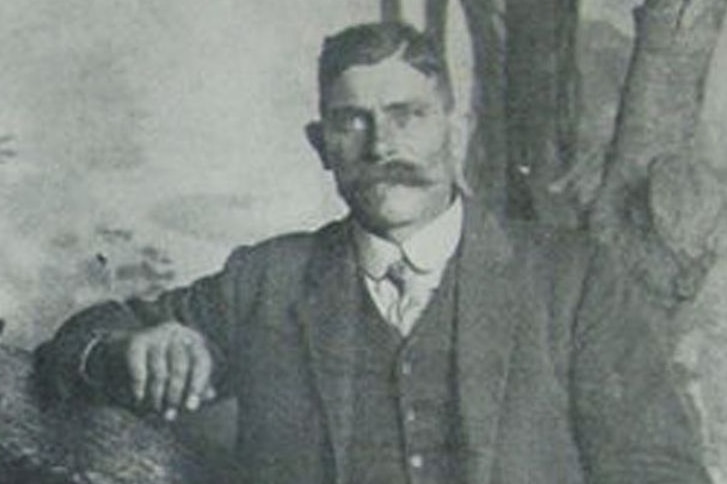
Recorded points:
(363, 242)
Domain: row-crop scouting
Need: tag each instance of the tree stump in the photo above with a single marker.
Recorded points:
(73, 443)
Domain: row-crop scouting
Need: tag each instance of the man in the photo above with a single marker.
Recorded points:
(417, 340)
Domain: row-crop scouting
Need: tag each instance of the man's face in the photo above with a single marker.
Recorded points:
(386, 136)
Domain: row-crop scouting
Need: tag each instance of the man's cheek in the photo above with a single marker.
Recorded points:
(422, 147)
(345, 154)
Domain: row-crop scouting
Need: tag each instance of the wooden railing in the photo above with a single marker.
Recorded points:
(49, 442)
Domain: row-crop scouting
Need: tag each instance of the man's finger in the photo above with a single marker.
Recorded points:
(158, 375)
(137, 364)
(201, 371)
(178, 361)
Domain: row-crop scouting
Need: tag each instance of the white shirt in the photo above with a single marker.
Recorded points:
(427, 252)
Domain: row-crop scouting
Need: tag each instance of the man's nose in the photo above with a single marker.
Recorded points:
(381, 138)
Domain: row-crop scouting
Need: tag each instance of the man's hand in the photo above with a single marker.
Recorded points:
(170, 366)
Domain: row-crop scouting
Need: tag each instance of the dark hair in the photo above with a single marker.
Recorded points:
(371, 43)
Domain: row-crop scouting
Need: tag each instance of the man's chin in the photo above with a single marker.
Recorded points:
(390, 197)
(390, 189)
(388, 206)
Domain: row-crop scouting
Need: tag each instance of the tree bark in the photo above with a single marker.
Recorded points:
(658, 202)
(77, 443)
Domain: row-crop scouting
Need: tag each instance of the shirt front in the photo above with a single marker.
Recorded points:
(426, 253)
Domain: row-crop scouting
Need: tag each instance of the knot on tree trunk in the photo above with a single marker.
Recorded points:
(666, 226)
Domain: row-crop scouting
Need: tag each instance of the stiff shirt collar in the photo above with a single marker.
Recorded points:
(426, 251)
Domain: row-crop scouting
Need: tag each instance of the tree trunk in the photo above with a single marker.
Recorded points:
(661, 208)
(488, 147)
(542, 106)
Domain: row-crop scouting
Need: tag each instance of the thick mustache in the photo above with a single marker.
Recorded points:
(395, 172)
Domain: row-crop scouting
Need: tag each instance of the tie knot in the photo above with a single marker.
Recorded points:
(400, 274)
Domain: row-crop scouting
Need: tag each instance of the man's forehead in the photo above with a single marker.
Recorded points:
(389, 81)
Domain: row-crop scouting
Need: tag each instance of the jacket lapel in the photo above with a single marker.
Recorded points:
(489, 308)
(327, 311)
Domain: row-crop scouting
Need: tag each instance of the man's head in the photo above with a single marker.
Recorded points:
(388, 131)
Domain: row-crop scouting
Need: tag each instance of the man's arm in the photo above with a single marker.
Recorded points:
(164, 352)
(633, 424)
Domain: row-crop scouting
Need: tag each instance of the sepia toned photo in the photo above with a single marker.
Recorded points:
(363, 242)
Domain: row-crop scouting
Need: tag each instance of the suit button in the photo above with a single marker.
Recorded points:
(416, 461)
(406, 368)
(410, 415)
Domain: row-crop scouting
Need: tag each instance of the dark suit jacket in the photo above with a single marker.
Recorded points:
(559, 377)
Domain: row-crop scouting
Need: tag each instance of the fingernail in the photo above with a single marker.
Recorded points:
(193, 402)
(170, 414)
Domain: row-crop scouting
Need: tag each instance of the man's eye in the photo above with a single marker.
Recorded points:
(349, 122)
(356, 123)
(403, 115)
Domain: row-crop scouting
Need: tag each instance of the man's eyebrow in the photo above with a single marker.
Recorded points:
(345, 107)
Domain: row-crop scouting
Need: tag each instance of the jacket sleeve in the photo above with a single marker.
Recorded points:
(214, 305)
(632, 423)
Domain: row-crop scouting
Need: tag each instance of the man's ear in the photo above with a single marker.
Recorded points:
(314, 133)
